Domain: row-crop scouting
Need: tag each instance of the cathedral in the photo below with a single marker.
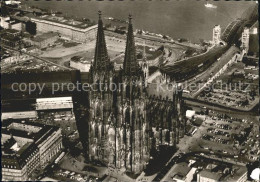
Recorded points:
(126, 121)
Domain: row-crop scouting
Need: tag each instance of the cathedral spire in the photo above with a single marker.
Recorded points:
(144, 53)
(101, 60)
(130, 61)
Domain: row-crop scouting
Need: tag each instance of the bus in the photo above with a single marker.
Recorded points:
(194, 131)
(59, 158)
(200, 65)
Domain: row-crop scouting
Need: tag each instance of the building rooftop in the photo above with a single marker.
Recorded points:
(13, 22)
(239, 171)
(210, 175)
(7, 143)
(63, 20)
(80, 59)
(41, 132)
(10, 34)
(10, 121)
(45, 36)
(10, 38)
(180, 171)
(11, 31)
(17, 158)
(14, 152)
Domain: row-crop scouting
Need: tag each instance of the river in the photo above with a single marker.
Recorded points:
(179, 19)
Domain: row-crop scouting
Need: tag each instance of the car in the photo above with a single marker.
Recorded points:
(72, 173)
(40, 177)
(80, 179)
(202, 154)
(225, 152)
(227, 135)
(78, 175)
(85, 178)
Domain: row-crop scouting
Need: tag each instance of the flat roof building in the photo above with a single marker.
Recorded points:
(27, 146)
(44, 40)
(80, 63)
(68, 28)
(19, 115)
(9, 23)
(239, 174)
(208, 176)
(183, 173)
(54, 103)
(10, 38)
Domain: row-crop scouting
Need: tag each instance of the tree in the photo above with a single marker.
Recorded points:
(31, 27)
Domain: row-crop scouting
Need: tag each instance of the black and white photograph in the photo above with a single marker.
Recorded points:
(130, 90)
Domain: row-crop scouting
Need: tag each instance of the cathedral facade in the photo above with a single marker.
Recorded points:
(126, 122)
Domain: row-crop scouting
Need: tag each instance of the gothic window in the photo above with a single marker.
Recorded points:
(127, 116)
(124, 137)
(111, 135)
(127, 91)
(167, 137)
(99, 112)
(96, 131)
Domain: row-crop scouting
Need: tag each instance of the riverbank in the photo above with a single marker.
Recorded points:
(178, 19)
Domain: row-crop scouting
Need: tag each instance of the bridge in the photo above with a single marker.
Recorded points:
(187, 68)
(231, 29)
(235, 28)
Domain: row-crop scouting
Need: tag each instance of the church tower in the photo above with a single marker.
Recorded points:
(130, 65)
(125, 124)
(101, 101)
(134, 138)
